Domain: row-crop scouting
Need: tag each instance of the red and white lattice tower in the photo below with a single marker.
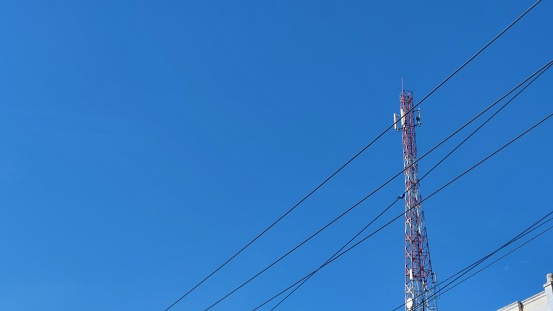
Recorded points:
(419, 278)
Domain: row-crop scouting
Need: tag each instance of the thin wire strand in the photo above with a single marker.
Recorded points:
(445, 290)
(478, 53)
(495, 261)
(536, 225)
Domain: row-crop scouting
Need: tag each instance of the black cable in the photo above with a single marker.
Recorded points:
(535, 76)
(467, 269)
(495, 261)
(472, 266)
(402, 214)
(337, 252)
(350, 160)
(481, 260)
(531, 78)
(475, 55)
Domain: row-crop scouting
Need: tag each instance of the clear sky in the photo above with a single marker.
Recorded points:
(142, 143)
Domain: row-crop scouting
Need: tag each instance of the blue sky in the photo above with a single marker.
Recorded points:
(143, 143)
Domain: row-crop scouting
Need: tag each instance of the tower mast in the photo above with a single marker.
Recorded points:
(419, 278)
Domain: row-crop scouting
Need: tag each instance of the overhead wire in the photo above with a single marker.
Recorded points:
(407, 210)
(495, 261)
(467, 269)
(476, 54)
(444, 289)
(536, 225)
(533, 78)
(350, 160)
(535, 75)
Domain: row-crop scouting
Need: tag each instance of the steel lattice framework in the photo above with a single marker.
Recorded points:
(419, 278)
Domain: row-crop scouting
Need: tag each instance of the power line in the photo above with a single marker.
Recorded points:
(305, 279)
(467, 269)
(445, 288)
(350, 160)
(477, 53)
(536, 225)
(400, 215)
(535, 75)
(495, 261)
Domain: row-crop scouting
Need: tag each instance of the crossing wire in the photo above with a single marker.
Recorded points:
(534, 77)
(350, 160)
(528, 80)
(406, 211)
(495, 261)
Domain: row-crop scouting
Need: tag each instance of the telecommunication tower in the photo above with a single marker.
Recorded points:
(420, 280)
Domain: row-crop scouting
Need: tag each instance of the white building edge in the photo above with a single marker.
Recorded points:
(542, 301)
